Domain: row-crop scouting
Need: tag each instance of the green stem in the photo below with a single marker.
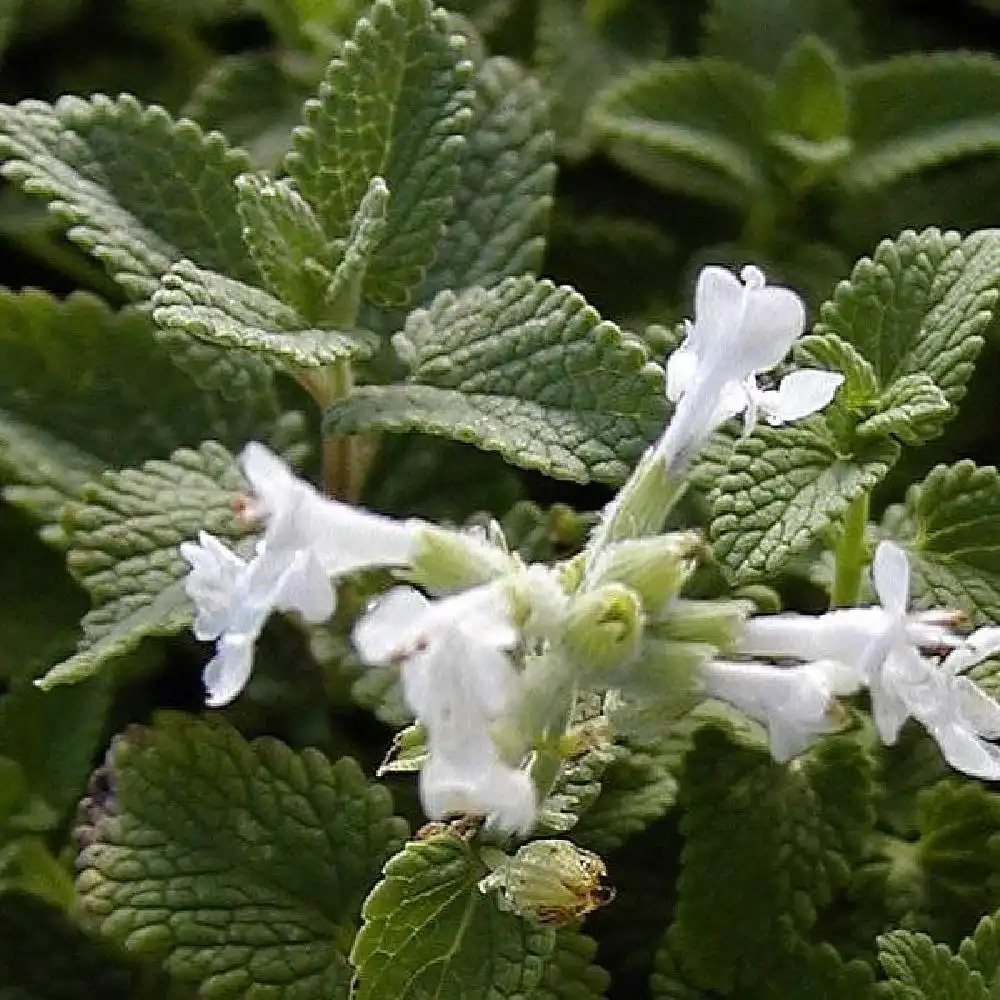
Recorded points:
(342, 458)
(851, 554)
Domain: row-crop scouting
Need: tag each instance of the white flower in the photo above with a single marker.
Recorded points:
(308, 540)
(796, 704)
(457, 679)
(885, 646)
(233, 599)
(740, 329)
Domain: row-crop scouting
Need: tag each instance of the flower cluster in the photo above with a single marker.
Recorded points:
(494, 656)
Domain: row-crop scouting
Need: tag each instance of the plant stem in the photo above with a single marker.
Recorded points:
(851, 554)
(341, 464)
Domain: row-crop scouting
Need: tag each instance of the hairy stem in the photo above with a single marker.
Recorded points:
(851, 554)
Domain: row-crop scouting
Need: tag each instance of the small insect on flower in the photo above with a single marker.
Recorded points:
(551, 881)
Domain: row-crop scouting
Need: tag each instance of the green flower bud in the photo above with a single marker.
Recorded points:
(604, 627)
(717, 623)
(655, 568)
(552, 881)
(449, 560)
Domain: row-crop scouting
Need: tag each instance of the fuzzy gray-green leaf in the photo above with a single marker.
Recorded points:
(394, 104)
(912, 409)
(783, 487)
(124, 536)
(504, 194)
(527, 369)
(285, 845)
(205, 305)
(135, 188)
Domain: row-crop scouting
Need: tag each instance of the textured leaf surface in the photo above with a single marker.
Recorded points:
(912, 409)
(827, 350)
(981, 950)
(82, 388)
(783, 487)
(124, 536)
(696, 126)
(762, 852)
(921, 110)
(920, 305)
(921, 970)
(395, 105)
(503, 197)
(950, 527)
(192, 302)
(571, 973)
(135, 188)
(44, 957)
(242, 865)
(526, 369)
(429, 932)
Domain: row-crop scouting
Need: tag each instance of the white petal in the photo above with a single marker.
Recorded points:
(718, 311)
(844, 635)
(306, 588)
(227, 673)
(213, 583)
(976, 709)
(981, 645)
(772, 321)
(270, 478)
(891, 575)
(388, 629)
(966, 753)
(798, 395)
(682, 372)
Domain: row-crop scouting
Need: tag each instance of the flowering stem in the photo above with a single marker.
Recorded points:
(341, 456)
(851, 554)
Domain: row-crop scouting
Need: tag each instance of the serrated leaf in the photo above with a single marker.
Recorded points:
(638, 787)
(827, 350)
(571, 973)
(757, 33)
(464, 946)
(759, 857)
(135, 188)
(44, 957)
(83, 388)
(575, 791)
(526, 369)
(921, 110)
(284, 846)
(285, 240)
(808, 972)
(950, 527)
(912, 409)
(981, 949)
(394, 105)
(695, 126)
(124, 536)
(920, 305)
(783, 488)
(192, 302)
(921, 970)
(504, 193)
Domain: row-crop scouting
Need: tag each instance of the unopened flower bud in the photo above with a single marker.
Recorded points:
(552, 881)
(447, 560)
(604, 627)
(717, 623)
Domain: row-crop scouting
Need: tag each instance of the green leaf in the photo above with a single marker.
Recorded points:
(912, 409)
(429, 931)
(571, 973)
(760, 855)
(83, 388)
(395, 105)
(783, 488)
(283, 847)
(576, 789)
(55, 758)
(504, 194)
(695, 126)
(758, 33)
(285, 240)
(921, 110)
(44, 957)
(920, 305)
(526, 369)
(827, 350)
(921, 970)
(808, 972)
(124, 537)
(193, 303)
(134, 188)
(981, 950)
(950, 527)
